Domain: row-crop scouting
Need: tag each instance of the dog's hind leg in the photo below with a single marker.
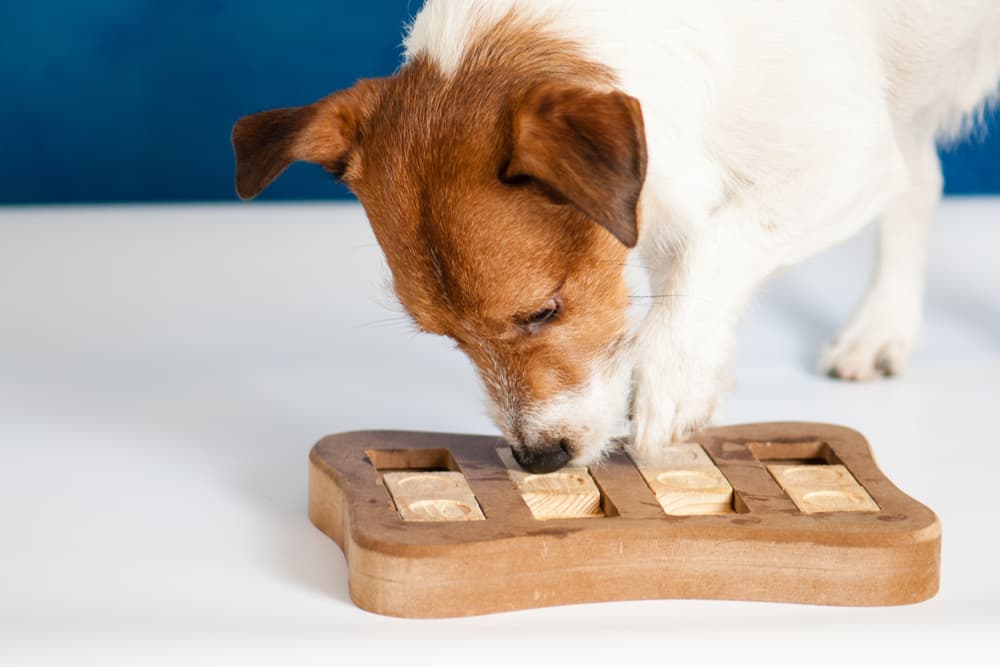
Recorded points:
(881, 335)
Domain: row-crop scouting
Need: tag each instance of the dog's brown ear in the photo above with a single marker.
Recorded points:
(324, 132)
(586, 149)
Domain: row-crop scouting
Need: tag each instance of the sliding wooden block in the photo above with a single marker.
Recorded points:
(686, 482)
(566, 494)
(432, 496)
(822, 488)
(685, 455)
(690, 491)
(439, 509)
(422, 483)
(569, 493)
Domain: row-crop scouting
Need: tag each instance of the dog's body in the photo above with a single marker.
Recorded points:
(723, 139)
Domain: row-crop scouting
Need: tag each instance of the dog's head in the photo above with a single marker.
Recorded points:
(506, 213)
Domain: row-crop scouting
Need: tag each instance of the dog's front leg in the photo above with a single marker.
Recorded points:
(683, 347)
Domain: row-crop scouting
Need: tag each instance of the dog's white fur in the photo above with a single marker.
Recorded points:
(774, 129)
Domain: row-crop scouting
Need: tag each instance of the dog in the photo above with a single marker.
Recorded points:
(528, 151)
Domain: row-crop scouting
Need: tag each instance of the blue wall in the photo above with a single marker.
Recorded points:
(133, 100)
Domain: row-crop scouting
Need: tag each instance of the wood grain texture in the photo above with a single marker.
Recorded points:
(686, 491)
(426, 484)
(432, 496)
(569, 493)
(767, 549)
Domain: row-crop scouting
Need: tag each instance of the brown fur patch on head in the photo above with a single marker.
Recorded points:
(497, 255)
(492, 191)
(479, 234)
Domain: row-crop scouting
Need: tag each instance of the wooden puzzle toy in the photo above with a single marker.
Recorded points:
(437, 525)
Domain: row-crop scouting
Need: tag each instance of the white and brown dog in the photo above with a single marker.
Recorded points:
(526, 148)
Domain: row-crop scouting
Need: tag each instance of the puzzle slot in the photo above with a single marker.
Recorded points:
(805, 452)
(429, 460)
(569, 493)
(686, 481)
(423, 495)
(818, 488)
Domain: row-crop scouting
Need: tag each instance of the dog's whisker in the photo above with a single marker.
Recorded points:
(401, 322)
(713, 306)
(360, 246)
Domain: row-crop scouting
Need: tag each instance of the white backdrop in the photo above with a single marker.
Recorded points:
(165, 370)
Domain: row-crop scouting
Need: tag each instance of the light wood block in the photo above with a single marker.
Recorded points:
(422, 483)
(686, 491)
(566, 494)
(432, 496)
(680, 456)
(569, 493)
(686, 482)
(439, 509)
(822, 488)
(511, 560)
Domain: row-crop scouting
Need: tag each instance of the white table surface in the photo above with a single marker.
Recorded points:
(165, 370)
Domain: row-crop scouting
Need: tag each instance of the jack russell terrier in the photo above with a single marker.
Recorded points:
(528, 150)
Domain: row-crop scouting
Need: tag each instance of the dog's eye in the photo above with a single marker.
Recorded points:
(531, 323)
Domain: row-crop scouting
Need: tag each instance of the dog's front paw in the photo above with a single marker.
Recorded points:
(876, 344)
(667, 407)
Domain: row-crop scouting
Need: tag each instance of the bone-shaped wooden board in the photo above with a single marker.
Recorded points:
(852, 538)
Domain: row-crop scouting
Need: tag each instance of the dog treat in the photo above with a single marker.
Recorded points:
(438, 525)
(685, 481)
(565, 494)
(822, 488)
(432, 496)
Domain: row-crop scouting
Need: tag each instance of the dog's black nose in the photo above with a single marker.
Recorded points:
(543, 458)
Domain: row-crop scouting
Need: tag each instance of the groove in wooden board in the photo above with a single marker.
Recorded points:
(487, 475)
(568, 493)
(822, 488)
(754, 489)
(624, 493)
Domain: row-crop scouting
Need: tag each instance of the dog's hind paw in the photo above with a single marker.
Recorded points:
(868, 354)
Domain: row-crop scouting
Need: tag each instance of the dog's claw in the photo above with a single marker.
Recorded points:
(885, 365)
